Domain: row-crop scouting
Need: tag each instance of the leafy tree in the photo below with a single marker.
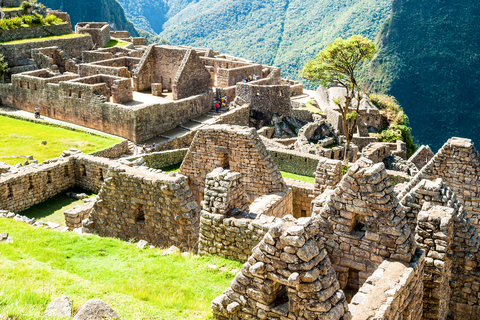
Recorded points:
(337, 64)
(3, 66)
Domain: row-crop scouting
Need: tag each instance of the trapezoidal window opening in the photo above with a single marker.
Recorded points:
(100, 174)
(139, 213)
(49, 177)
(69, 92)
(67, 172)
(9, 191)
(34, 86)
(225, 161)
(353, 284)
(83, 172)
(30, 183)
(79, 94)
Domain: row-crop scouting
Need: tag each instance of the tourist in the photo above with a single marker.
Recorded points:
(217, 107)
(37, 113)
(154, 147)
(255, 77)
(225, 99)
(145, 148)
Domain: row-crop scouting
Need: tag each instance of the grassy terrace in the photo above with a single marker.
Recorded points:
(19, 137)
(41, 265)
(176, 167)
(116, 43)
(64, 36)
(11, 8)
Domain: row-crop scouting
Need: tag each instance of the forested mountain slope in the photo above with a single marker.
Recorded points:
(429, 60)
(94, 10)
(284, 33)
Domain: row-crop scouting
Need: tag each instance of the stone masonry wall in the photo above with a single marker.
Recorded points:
(303, 194)
(362, 225)
(19, 53)
(295, 162)
(265, 100)
(288, 276)
(327, 175)
(421, 157)
(393, 292)
(232, 237)
(192, 78)
(144, 204)
(91, 171)
(35, 32)
(113, 152)
(34, 185)
(434, 234)
(100, 32)
(238, 148)
(458, 164)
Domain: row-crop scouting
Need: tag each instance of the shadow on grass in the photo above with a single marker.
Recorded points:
(53, 208)
(172, 168)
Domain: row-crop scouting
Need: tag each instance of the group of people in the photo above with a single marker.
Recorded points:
(145, 149)
(221, 102)
(250, 78)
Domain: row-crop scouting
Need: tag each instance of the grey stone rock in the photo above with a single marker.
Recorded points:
(171, 250)
(60, 307)
(95, 309)
(142, 244)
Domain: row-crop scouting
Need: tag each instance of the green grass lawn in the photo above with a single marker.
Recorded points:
(41, 265)
(172, 168)
(64, 36)
(19, 137)
(310, 107)
(11, 8)
(53, 208)
(116, 43)
(297, 177)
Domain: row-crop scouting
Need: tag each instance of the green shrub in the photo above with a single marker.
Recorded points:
(52, 19)
(28, 20)
(17, 22)
(26, 5)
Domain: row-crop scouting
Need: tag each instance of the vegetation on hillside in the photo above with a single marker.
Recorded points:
(337, 64)
(28, 21)
(399, 125)
(285, 33)
(94, 11)
(3, 66)
(429, 60)
(41, 265)
(19, 137)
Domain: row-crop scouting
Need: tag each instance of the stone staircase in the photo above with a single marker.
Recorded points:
(186, 127)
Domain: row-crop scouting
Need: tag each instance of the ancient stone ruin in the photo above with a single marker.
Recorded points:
(384, 237)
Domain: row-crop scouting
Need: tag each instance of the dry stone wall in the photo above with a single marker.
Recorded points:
(35, 32)
(303, 194)
(232, 237)
(19, 53)
(265, 100)
(288, 276)
(100, 32)
(238, 148)
(421, 157)
(144, 204)
(434, 234)
(113, 152)
(458, 164)
(362, 224)
(36, 184)
(393, 292)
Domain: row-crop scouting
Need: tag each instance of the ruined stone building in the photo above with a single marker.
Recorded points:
(386, 238)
